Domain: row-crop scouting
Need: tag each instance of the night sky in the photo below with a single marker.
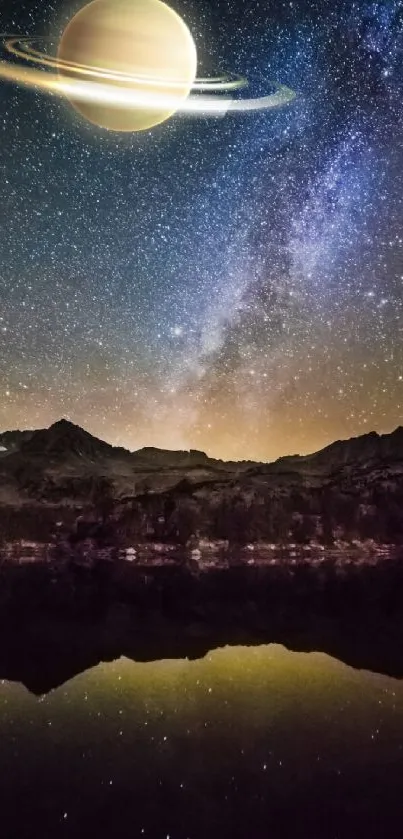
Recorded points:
(229, 284)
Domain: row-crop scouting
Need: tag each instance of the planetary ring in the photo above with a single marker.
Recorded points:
(22, 48)
(96, 85)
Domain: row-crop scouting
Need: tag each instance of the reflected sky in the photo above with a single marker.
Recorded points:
(229, 745)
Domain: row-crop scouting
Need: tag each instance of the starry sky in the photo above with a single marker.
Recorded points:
(230, 284)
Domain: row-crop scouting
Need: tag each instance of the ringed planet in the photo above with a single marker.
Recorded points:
(129, 65)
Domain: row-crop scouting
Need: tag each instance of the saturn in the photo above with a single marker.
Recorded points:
(129, 65)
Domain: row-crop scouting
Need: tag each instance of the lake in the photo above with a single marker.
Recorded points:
(244, 742)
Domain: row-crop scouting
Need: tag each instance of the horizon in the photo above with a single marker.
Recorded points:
(201, 451)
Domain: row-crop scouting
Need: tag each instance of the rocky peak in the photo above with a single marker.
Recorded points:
(64, 438)
(167, 458)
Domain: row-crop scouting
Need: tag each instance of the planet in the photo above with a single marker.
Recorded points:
(145, 42)
(127, 66)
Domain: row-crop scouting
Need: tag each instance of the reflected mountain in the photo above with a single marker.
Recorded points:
(44, 654)
(56, 624)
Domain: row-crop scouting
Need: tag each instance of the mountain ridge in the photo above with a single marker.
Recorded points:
(65, 431)
(349, 490)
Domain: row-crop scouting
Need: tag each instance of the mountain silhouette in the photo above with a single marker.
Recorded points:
(351, 489)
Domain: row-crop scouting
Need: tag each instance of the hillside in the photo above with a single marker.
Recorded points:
(350, 490)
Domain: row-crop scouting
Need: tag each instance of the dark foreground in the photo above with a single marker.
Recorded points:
(211, 725)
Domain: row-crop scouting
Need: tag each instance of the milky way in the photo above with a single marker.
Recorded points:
(231, 284)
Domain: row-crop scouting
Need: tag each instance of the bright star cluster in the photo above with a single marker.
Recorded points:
(231, 284)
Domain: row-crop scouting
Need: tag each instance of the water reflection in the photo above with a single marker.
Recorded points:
(245, 742)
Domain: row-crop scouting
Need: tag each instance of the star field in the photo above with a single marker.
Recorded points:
(231, 284)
